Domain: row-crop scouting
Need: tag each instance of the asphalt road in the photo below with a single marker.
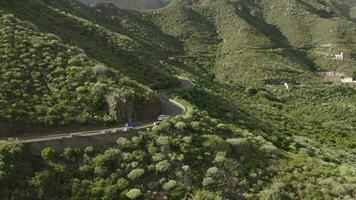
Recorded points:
(169, 106)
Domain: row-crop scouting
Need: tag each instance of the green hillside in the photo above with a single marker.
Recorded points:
(114, 49)
(259, 51)
(131, 4)
(260, 122)
(46, 82)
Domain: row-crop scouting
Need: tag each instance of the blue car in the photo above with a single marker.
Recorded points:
(132, 124)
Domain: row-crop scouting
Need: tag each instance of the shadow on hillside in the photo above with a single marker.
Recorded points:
(320, 13)
(218, 107)
(344, 10)
(106, 18)
(277, 37)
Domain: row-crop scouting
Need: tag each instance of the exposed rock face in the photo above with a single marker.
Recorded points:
(122, 110)
(148, 111)
(119, 108)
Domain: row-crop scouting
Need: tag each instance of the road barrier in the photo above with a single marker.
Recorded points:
(97, 138)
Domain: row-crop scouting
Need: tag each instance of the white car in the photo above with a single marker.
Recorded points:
(163, 117)
(106, 132)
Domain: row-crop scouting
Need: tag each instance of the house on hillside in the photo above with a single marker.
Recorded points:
(333, 75)
(343, 56)
(348, 80)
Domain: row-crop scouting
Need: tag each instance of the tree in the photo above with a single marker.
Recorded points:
(48, 154)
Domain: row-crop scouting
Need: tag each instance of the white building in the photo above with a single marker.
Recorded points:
(343, 56)
(348, 80)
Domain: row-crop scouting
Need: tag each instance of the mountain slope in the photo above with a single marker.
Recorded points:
(260, 122)
(112, 48)
(131, 4)
(48, 83)
(260, 48)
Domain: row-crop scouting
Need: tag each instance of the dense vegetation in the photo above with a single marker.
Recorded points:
(260, 124)
(165, 161)
(117, 50)
(192, 157)
(45, 82)
(252, 50)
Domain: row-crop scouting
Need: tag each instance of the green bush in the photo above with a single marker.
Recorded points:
(163, 166)
(169, 185)
(135, 174)
(208, 181)
(134, 193)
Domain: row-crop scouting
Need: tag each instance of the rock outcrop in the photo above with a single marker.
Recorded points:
(122, 110)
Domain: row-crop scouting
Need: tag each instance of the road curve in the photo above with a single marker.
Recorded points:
(170, 107)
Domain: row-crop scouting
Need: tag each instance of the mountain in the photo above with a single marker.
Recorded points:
(261, 122)
(131, 4)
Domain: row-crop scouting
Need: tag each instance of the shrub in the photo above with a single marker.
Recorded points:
(158, 157)
(162, 180)
(122, 183)
(269, 149)
(135, 174)
(186, 168)
(235, 141)
(86, 169)
(181, 126)
(163, 140)
(170, 185)
(187, 139)
(208, 181)
(124, 143)
(163, 166)
(195, 125)
(220, 157)
(134, 193)
(88, 149)
(212, 171)
(48, 154)
(204, 195)
(137, 140)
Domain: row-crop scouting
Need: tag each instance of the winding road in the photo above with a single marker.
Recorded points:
(169, 106)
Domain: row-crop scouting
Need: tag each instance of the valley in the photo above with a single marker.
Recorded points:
(271, 115)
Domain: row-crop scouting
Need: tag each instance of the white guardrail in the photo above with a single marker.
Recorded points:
(99, 132)
(177, 104)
